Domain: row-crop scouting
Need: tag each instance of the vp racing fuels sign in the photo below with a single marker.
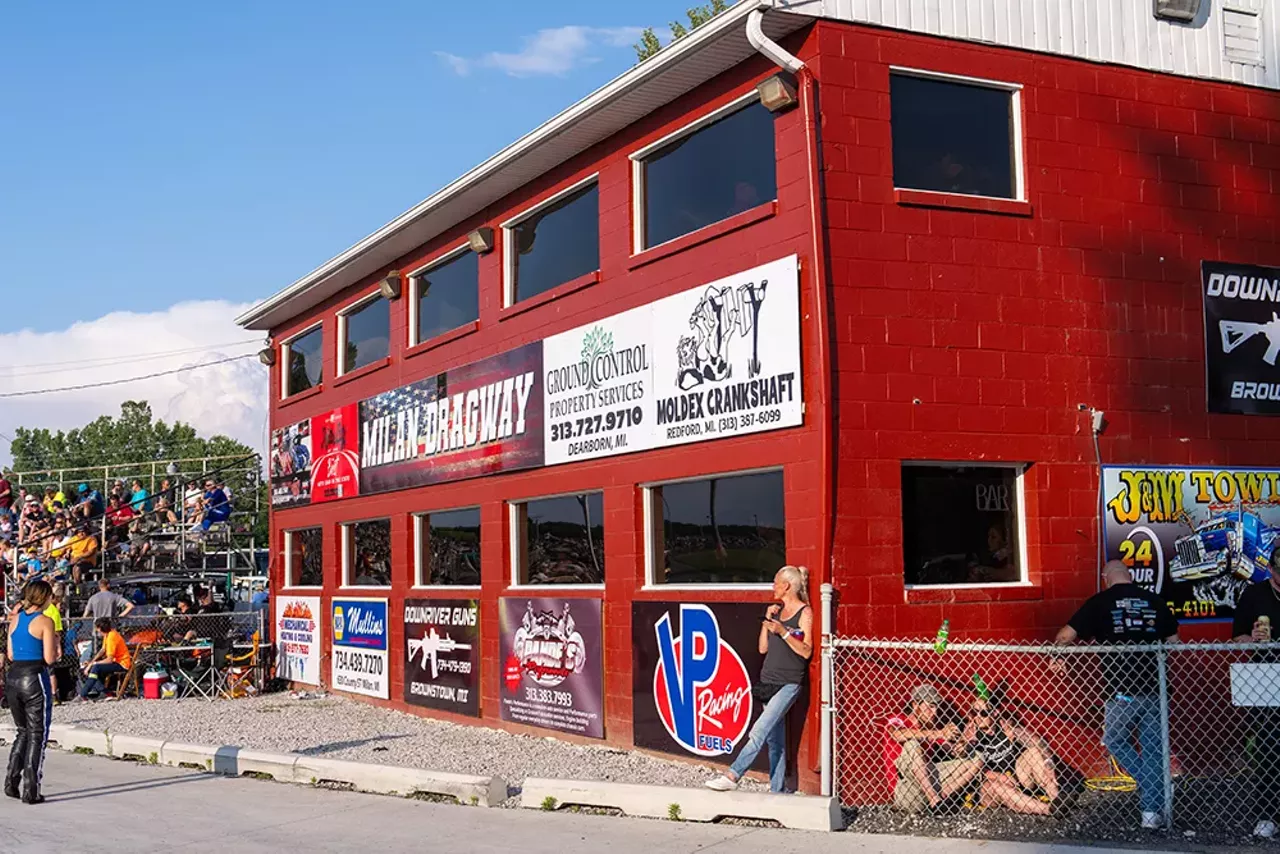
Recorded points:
(1242, 338)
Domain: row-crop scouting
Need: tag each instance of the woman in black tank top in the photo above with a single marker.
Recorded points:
(786, 641)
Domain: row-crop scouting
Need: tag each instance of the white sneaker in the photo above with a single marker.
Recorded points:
(721, 783)
(1152, 821)
(1265, 829)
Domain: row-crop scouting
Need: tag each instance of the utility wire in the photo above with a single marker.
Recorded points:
(113, 361)
(81, 387)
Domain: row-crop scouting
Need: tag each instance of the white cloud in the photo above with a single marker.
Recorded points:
(229, 398)
(555, 51)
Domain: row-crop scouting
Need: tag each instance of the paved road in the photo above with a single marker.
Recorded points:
(96, 804)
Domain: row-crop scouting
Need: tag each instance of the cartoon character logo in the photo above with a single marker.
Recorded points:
(700, 685)
(718, 316)
(548, 647)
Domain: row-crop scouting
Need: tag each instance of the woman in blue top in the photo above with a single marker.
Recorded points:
(33, 647)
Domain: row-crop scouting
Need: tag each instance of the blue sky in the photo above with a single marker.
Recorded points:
(156, 153)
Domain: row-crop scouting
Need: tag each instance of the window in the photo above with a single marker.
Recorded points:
(955, 135)
(722, 530)
(554, 244)
(725, 165)
(303, 558)
(448, 548)
(559, 540)
(366, 554)
(444, 296)
(962, 524)
(364, 334)
(302, 361)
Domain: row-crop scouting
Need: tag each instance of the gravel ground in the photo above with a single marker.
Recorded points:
(338, 728)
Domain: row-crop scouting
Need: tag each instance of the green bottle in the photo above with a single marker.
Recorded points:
(940, 642)
(980, 687)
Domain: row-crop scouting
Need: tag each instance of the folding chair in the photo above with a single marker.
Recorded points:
(240, 676)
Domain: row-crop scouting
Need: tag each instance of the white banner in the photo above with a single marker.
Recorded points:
(360, 634)
(297, 637)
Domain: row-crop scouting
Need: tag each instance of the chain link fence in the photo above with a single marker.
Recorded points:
(1024, 741)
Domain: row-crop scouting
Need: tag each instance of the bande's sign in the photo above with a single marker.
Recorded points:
(552, 664)
(1242, 338)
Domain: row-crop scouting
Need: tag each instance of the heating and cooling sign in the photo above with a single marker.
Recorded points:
(1242, 338)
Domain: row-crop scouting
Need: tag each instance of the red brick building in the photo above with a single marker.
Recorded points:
(990, 241)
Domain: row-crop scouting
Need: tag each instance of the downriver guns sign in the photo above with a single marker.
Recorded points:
(552, 664)
(1196, 536)
(442, 654)
(1242, 338)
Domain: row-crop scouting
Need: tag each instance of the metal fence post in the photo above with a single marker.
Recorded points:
(826, 710)
(1166, 761)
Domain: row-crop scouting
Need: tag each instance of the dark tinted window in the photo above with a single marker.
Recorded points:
(725, 168)
(305, 354)
(959, 524)
(557, 244)
(726, 530)
(369, 553)
(448, 296)
(368, 335)
(564, 540)
(305, 557)
(952, 137)
(451, 547)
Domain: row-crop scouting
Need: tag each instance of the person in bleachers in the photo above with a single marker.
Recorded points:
(6, 494)
(89, 503)
(84, 553)
(53, 495)
(215, 507)
(140, 499)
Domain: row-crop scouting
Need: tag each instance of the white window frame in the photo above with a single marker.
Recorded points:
(517, 537)
(419, 526)
(415, 284)
(344, 541)
(1015, 117)
(285, 352)
(652, 517)
(637, 166)
(1020, 495)
(509, 253)
(345, 312)
(288, 559)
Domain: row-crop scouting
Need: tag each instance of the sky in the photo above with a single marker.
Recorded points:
(164, 165)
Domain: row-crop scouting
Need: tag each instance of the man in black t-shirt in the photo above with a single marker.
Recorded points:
(1258, 601)
(1126, 613)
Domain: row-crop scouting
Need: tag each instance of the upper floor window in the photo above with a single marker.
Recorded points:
(558, 540)
(956, 135)
(444, 295)
(301, 362)
(366, 553)
(721, 165)
(557, 242)
(448, 548)
(303, 560)
(364, 334)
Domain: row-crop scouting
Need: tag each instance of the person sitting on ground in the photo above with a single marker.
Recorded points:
(106, 603)
(1017, 763)
(111, 659)
(923, 751)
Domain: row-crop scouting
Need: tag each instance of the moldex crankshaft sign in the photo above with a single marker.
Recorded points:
(360, 647)
(1196, 536)
(692, 672)
(1242, 338)
(552, 671)
(442, 654)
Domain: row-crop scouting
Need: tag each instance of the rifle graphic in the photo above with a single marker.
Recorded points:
(1236, 332)
(431, 646)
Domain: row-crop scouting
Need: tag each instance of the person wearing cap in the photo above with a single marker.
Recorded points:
(88, 502)
(922, 748)
(1256, 619)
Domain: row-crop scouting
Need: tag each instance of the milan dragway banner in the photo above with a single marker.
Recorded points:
(1196, 536)
(478, 419)
(693, 667)
(442, 654)
(297, 634)
(1241, 337)
(552, 653)
(291, 465)
(359, 663)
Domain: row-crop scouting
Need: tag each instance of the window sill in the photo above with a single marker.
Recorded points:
(703, 588)
(959, 201)
(442, 339)
(975, 593)
(527, 588)
(302, 395)
(702, 235)
(347, 589)
(306, 588)
(363, 371)
(547, 296)
(446, 588)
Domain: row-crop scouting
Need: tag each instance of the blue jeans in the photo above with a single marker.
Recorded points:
(771, 728)
(1122, 717)
(93, 683)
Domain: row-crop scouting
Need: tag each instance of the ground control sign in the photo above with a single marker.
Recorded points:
(1242, 338)
(359, 662)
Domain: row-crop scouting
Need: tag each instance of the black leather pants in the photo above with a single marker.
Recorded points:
(30, 697)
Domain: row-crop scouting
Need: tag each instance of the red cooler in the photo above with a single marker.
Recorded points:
(151, 683)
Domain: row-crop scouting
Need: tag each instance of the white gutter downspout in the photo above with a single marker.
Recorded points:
(767, 46)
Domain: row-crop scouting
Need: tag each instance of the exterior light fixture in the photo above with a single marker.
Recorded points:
(390, 286)
(778, 92)
(1177, 10)
(267, 355)
(481, 240)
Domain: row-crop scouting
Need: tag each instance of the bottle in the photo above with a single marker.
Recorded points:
(980, 687)
(940, 642)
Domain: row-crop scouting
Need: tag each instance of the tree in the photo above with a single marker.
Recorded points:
(698, 15)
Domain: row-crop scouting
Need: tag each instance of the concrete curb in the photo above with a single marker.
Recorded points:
(790, 811)
(234, 761)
